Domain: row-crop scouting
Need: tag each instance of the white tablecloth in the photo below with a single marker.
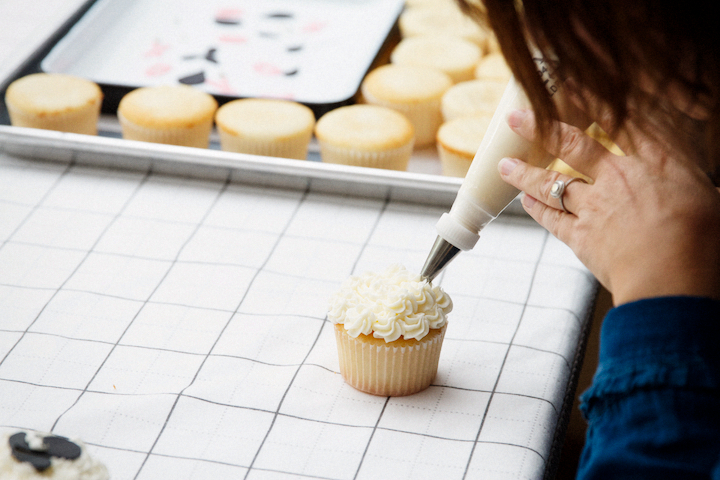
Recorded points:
(178, 327)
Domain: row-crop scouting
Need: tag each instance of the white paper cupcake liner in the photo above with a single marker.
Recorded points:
(194, 136)
(388, 370)
(295, 147)
(393, 159)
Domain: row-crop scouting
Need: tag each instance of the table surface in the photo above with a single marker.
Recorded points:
(178, 327)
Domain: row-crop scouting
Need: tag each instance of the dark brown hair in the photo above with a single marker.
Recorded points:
(616, 49)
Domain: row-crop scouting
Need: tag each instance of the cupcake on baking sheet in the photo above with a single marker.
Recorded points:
(54, 101)
(276, 128)
(365, 136)
(389, 329)
(416, 92)
(169, 114)
(457, 142)
(29, 455)
(455, 56)
(471, 98)
(493, 67)
(443, 18)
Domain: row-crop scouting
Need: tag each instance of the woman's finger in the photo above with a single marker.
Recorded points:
(566, 142)
(557, 222)
(538, 183)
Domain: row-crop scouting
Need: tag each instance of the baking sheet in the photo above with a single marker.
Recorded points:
(312, 51)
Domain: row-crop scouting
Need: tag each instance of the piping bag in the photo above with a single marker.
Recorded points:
(483, 193)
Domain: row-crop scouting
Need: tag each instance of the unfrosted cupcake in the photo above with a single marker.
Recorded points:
(493, 67)
(474, 97)
(365, 136)
(276, 128)
(458, 141)
(54, 101)
(28, 455)
(444, 19)
(455, 56)
(170, 114)
(414, 91)
(389, 329)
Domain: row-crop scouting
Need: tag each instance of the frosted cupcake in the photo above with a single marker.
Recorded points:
(455, 56)
(458, 141)
(54, 101)
(474, 97)
(275, 128)
(365, 136)
(416, 92)
(389, 329)
(31, 455)
(170, 114)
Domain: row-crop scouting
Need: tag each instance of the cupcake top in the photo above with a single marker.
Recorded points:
(493, 67)
(389, 305)
(471, 98)
(167, 106)
(265, 118)
(405, 83)
(30, 455)
(462, 136)
(52, 93)
(442, 18)
(365, 127)
(453, 55)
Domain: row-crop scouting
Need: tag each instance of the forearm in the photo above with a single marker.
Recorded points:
(653, 407)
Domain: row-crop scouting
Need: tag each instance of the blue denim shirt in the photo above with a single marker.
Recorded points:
(653, 409)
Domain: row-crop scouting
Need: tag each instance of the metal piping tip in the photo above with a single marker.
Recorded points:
(441, 254)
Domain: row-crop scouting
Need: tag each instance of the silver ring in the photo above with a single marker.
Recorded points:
(558, 190)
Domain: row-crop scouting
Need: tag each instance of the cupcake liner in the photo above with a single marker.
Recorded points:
(295, 147)
(393, 369)
(393, 159)
(453, 165)
(83, 120)
(425, 116)
(194, 136)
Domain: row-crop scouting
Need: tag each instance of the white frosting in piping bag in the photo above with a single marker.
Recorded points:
(389, 305)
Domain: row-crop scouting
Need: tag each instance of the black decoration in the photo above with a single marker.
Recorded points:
(55, 446)
(280, 15)
(210, 55)
(295, 48)
(290, 73)
(227, 21)
(194, 79)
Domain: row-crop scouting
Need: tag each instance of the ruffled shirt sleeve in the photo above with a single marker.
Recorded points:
(653, 409)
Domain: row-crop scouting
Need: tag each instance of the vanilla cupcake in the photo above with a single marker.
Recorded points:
(455, 56)
(457, 142)
(443, 19)
(31, 455)
(389, 330)
(365, 136)
(471, 98)
(170, 114)
(416, 92)
(275, 128)
(54, 101)
(493, 67)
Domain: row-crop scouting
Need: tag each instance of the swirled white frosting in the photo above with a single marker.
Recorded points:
(389, 305)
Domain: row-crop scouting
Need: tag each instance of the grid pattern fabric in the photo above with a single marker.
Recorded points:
(178, 327)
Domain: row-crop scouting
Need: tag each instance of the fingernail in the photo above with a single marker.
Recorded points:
(528, 201)
(516, 118)
(507, 165)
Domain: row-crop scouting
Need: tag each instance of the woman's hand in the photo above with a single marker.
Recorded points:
(648, 226)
